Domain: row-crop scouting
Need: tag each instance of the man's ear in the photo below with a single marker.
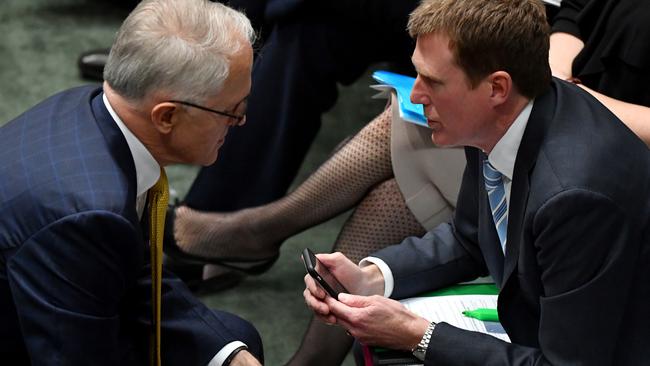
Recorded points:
(164, 115)
(501, 87)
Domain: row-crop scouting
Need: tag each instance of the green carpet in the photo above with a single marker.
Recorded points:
(40, 41)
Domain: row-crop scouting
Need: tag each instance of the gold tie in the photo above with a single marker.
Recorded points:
(157, 200)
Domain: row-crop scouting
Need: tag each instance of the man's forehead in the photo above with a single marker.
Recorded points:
(432, 51)
(437, 40)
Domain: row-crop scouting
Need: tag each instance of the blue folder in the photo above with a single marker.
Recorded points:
(402, 85)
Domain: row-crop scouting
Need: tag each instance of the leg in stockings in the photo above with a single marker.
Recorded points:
(256, 233)
(380, 220)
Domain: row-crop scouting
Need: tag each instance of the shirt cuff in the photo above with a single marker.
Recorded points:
(389, 283)
(221, 356)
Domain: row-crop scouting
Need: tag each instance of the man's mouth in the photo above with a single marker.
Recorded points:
(432, 124)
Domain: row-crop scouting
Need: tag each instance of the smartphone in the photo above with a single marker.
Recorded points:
(322, 275)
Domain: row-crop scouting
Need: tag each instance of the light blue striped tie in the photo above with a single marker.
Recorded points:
(497, 197)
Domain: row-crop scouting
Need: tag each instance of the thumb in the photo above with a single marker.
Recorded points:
(329, 259)
(354, 301)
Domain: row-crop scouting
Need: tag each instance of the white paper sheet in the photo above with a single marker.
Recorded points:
(450, 309)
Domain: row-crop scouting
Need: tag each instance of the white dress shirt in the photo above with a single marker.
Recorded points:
(147, 172)
(502, 157)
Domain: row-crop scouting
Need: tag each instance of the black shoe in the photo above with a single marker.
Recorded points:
(91, 64)
(192, 275)
(171, 249)
(227, 278)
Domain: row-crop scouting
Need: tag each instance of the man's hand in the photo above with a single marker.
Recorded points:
(378, 321)
(245, 358)
(358, 281)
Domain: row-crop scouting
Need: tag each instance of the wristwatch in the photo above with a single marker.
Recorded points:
(420, 350)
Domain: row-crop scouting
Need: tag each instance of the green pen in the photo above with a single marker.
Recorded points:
(486, 315)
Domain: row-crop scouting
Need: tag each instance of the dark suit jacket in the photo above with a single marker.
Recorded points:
(74, 280)
(575, 282)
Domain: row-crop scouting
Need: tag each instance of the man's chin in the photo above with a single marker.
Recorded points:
(211, 161)
(440, 141)
(437, 139)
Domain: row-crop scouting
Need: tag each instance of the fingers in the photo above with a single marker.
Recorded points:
(355, 301)
(340, 314)
(313, 287)
(340, 310)
(331, 259)
(314, 298)
(317, 305)
(352, 310)
(320, 308)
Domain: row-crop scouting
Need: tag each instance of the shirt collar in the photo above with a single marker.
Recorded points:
(147, 169)
(503, 155)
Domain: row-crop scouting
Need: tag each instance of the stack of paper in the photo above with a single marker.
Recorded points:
(445, 305)
(450, 309)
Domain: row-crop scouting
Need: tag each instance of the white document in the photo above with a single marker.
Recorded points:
(449, 309)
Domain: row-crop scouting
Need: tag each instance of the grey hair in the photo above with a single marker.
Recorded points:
(183, 47)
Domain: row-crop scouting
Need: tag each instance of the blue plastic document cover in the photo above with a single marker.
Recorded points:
(402, 85)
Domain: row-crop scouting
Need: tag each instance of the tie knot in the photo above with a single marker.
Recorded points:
(161, 188)
(158, 198)
(491, 175)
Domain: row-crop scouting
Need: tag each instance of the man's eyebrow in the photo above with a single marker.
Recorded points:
(433, 79)
(423, 74)
(428, 77)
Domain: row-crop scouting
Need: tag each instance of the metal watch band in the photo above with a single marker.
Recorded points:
(421, 349)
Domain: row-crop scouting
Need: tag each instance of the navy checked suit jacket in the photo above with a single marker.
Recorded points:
(74, 280)
(575, 279)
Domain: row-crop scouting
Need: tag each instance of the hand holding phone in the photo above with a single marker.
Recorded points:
(321, 274)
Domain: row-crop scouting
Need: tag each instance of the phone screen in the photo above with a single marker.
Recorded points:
(322, 275)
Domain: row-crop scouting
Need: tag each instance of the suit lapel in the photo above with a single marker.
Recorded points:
(540, 118)
(518, 199)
